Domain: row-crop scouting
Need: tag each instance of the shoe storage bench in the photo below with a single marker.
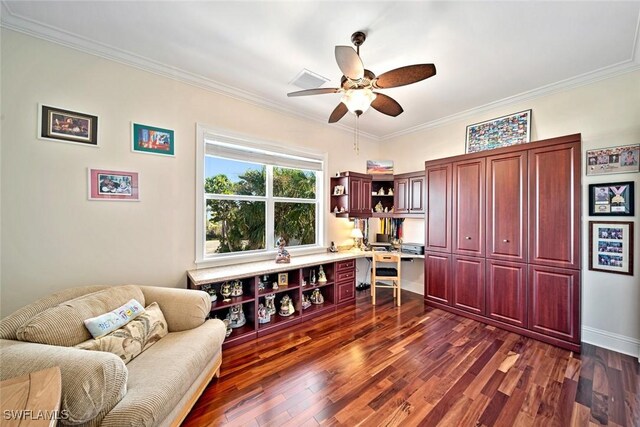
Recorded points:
(339, 289)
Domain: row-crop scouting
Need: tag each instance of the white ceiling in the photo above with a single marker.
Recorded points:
(486, 53)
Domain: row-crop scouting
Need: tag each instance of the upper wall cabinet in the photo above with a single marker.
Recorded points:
(351, 195)
(409, 194)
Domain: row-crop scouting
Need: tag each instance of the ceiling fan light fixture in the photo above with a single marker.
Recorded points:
(358, 100)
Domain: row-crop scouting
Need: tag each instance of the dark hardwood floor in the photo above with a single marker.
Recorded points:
(414, 365)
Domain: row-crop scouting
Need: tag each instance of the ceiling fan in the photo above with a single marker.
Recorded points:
(358, 84)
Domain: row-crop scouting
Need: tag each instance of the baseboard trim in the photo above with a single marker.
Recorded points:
(611, 341)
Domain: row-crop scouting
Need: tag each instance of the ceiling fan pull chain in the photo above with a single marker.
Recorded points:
(356, 140)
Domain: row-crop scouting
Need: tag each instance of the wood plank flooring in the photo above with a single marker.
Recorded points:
(415, 366)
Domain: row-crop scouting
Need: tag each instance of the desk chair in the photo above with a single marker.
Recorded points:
(385, 273)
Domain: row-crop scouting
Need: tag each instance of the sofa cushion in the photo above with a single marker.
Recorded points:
(92, 382)
(64, 324)
(101, 325)
(134, 337)
(182, 356)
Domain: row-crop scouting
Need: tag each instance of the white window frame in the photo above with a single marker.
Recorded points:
(205, 133)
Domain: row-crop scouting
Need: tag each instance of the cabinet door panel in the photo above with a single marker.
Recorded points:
(507, 292)
(438, 204)
(355, 195)
(554, 203)
(507, 206)
(554, 302)
(468, 207)
(416, 201)
(365, 203)
(436, 277)
(401, 195)
(468, 284)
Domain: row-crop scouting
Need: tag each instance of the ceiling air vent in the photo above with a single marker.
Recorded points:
(308, 80)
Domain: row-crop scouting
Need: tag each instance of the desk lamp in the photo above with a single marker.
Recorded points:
(356, 234)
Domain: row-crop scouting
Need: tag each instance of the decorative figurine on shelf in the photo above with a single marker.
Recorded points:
(236, 291)
(212, 294)
(275, 286)
(322, 278)
(262, 285)
(283, 256)
(286, 306)
(305, 301)
(333, 248)
(335, 210)
(342, 209)
(304, 282)
(263, 314)
(312, 279)
(386, 209)
(270, 302)
(225, 290)
(379, 207)
(390, 192)
(236, 316)
(381, 192)
(316, 297)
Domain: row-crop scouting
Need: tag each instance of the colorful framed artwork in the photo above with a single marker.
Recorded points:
(611, 199)
(622, 159)
(113, 185)
(152, 140)
(58, 124)
(611, 247)
(380, 167)
(500, 132)
(283, 279)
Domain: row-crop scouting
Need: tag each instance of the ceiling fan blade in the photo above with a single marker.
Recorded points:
(338, 113)
(386, 105)
(318, 91)
(404, 75)
(349, 62)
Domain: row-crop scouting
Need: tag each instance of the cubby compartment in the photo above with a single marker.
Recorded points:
(309, 273)
(248, 286)
(278, 321)
(243, 333)
(315, 309)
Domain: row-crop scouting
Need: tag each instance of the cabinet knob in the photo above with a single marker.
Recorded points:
(467, 238)
(506, 240)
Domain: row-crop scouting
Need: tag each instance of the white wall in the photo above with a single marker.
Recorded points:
(606, 113)
(52, 236)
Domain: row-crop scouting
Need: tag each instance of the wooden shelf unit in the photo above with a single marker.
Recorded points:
(339, 289)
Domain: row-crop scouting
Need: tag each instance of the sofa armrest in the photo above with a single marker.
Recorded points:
(183, 308)
(93, 382)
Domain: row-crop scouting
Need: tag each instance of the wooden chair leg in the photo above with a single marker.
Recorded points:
(397, 285)
(373, 292)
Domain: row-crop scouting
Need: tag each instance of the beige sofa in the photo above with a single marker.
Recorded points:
(157, 388)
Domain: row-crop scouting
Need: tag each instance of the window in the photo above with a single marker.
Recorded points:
(249, 194)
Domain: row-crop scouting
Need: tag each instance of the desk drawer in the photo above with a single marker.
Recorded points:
(345, 275)
(346, 291)
(345, 265)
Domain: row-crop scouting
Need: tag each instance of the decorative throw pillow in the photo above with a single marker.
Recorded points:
(134, 337)
(108, 322)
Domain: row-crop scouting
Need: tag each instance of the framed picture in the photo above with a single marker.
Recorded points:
(113, 185)
(283, 279)
(611, 247)
(338, 190)
(622, 159)
(501, 132)
(611, 199)
(58, 124)
(152, 140)
(380, 167)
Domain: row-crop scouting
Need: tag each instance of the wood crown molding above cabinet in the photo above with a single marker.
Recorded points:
(502, 238)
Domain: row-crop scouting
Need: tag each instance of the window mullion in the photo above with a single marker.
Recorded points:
(270, 211)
